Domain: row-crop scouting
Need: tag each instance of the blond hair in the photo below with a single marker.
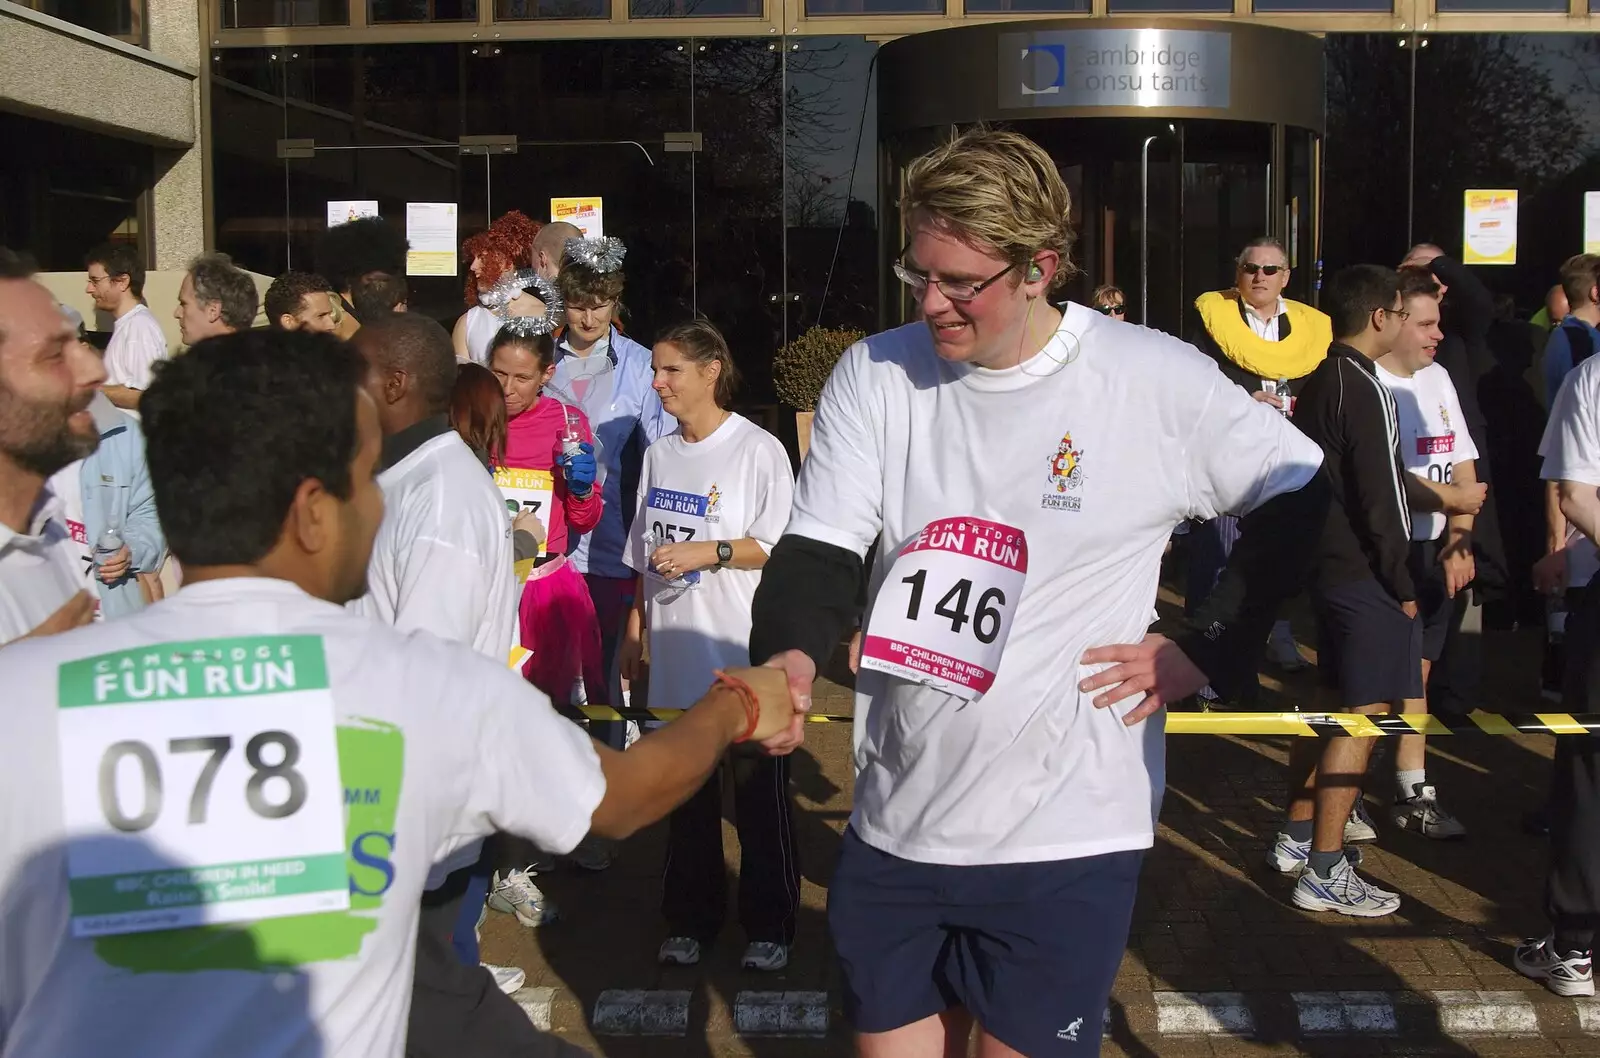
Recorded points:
(997, 190)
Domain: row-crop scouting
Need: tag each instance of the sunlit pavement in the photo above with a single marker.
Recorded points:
(1218, 962)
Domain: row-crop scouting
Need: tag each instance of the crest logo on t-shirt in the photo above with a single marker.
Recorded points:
(1444, 417)
(714, 504)
(1066, 475)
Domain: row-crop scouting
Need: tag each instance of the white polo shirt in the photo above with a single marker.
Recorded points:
(435, 744)
(136, 345)
(1091, 452)
(1433, 434)
(39, 570)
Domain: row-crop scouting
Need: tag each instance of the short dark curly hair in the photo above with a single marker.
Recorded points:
(280, 404)
(286, 296)
(349, 251)
(581, 285)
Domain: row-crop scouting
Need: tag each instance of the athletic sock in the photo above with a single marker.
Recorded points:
(1408, 781)
(1323, 863)
(1298, 830)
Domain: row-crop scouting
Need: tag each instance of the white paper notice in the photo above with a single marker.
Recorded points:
(431, 231)
(1591, 222)
(347, 211)
(584, 212)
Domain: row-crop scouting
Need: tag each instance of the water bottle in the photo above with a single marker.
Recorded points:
(107, 547)
(570, 445)
(1285, 396)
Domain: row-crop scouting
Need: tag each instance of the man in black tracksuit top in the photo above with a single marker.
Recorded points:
(1369, 641)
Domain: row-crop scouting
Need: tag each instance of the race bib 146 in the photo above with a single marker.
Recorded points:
(944, 613)
(201, 784)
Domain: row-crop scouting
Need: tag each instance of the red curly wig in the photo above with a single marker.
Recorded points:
(506, 245)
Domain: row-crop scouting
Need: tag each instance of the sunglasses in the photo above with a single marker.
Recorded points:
(1251, 268)
(1111, 310)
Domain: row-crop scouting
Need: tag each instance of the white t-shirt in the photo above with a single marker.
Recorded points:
(731, 485)
(136, 344)
(435, 743)
(39, 570)
(442, 563)
(1571, 451)
(1433, 434)
(1095, 449)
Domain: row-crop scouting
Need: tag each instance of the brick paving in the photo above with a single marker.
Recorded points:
(1211, 916)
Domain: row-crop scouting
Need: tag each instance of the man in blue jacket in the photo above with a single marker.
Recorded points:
(110, 489)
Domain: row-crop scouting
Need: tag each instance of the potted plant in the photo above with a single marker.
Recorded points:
(802, 367)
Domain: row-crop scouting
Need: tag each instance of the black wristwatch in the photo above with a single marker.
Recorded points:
(724, 552)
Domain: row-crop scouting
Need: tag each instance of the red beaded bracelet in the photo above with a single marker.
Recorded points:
(747, 695)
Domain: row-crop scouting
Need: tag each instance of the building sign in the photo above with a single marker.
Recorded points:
(343, 212)
(583, 212)
(431, 233)
(1591, 222)
(1115, 68)
(1489, 227)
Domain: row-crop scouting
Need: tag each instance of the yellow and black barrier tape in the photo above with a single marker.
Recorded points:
(1305, 725)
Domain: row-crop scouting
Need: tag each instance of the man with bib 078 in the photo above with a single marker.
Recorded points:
(1024, 467)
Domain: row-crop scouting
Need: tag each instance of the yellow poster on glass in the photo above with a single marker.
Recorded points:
(1489, 228)
(583, 212)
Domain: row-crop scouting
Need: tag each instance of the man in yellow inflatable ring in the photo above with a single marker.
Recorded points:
(1268, 344)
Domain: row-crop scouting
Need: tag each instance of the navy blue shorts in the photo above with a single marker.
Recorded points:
(1029, 949)
(1367, 648)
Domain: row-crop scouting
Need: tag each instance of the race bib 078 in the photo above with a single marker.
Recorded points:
(201, 784)
(944, 613)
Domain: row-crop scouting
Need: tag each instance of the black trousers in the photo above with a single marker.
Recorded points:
(1572, 890)
(456, 1010)
(695, 883)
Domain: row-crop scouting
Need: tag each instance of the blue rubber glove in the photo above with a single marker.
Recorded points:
(580, 470)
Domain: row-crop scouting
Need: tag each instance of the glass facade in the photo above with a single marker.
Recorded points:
(769, 228)
(255, 14)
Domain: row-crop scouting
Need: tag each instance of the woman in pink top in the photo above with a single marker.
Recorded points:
(549, 469)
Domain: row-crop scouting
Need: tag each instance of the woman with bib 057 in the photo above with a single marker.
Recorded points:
(714, 497)
(549, 469)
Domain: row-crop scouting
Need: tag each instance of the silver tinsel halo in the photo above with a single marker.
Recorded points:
(497, 298)
(604, 254)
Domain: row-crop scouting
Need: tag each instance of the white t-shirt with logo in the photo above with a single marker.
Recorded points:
(39, 571)
(733, 484)
(1433, 434)
(1094, 449)
(137, 343)
(435, 744)
(1571, 451)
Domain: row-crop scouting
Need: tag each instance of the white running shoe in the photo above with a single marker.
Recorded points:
(1288, 856)
(1283, 651)
(1422, 813)
(515, 894)
(1571, 974)
(679, 951)
(1358, 829)
(506, 978)
(765, 955)
(1343, 891)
